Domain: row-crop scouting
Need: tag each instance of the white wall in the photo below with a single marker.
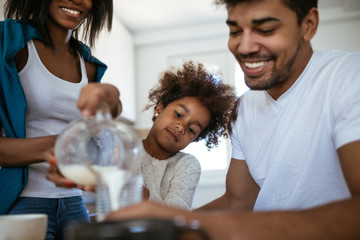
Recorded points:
(153, 59)
(2, 2)
(116, 49)
(154, 49)
(338, 29)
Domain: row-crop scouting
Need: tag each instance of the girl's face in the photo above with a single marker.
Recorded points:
(179, 124)
(69, 14)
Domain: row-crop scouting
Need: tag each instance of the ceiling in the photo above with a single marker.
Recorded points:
(145, 15)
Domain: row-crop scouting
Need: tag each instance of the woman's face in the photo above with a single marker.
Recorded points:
(179, 124)
(69, 14)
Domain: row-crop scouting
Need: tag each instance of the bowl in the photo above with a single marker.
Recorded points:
(134, 229)
(23, 226)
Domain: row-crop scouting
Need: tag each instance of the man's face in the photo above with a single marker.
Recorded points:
(266, 40)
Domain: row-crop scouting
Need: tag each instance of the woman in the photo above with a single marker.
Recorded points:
(45, 73)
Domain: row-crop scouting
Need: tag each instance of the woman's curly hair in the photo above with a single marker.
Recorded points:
(193, 80)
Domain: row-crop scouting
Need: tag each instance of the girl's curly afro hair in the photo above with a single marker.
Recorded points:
(193, 80)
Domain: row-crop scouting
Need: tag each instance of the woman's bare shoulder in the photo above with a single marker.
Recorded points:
(90, 71)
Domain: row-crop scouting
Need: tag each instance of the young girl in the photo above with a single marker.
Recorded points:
(45, 73)
(190, 104)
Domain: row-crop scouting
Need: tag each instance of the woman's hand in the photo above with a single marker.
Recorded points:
(53, 174)
(93, 94)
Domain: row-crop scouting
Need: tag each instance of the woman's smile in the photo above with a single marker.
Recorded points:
(71, 12)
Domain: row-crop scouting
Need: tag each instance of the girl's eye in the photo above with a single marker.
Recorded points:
(192, 131)
(178, 115)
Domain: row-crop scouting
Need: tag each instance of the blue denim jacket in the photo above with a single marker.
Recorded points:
(14, 37)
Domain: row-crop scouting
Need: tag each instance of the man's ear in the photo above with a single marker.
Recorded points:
(310, 24)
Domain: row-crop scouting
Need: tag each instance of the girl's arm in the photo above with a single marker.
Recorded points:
(183, 184)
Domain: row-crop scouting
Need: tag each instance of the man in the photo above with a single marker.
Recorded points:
(295, 168)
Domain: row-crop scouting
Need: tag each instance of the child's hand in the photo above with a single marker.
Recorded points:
(146, 193)
(53, 174)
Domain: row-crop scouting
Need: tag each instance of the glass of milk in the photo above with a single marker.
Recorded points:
(105, 153)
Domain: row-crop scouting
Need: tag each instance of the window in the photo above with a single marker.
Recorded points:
(216, 158)
(214, 163)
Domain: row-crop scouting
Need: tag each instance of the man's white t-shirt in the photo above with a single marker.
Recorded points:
(290, 144)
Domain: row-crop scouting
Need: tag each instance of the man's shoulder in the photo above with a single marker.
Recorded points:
(332, 64)
(335, 55)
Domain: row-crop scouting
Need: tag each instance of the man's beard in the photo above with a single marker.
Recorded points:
(277, 76)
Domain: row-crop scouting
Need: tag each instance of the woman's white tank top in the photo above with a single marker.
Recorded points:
(51, 106)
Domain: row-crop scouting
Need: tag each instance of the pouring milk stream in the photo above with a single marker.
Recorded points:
(104, 152)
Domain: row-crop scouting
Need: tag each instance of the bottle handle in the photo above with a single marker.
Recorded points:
(103, 113)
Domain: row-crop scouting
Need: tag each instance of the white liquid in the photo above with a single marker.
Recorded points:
(79, 174)
(115, 180)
